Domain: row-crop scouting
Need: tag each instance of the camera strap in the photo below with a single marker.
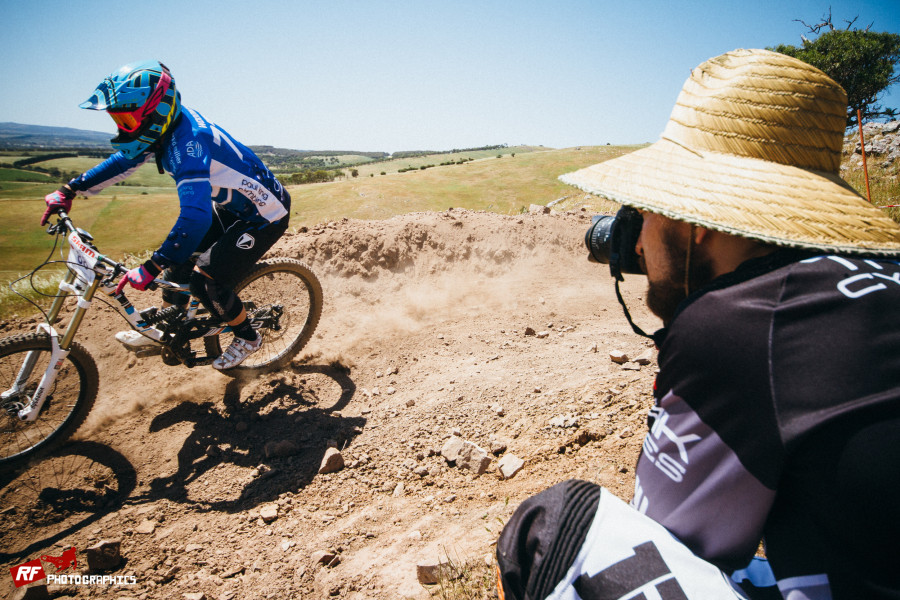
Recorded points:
(631, 322)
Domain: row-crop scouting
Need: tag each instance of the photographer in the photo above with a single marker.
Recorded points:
(777, 409)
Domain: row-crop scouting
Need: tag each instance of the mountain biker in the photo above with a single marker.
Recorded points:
(777, 401)
(233, 209)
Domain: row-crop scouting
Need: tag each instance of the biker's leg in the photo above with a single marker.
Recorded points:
(182, 273)
(219, 269)
(220, 300)
(223, 303)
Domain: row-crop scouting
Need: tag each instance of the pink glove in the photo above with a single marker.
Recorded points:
(139, 278)
(61, 199)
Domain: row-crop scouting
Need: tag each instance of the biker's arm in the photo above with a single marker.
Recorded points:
(192, 224)
(114, 169)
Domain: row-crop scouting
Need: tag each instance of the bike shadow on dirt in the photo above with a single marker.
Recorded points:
(269, 439)
(60, 494)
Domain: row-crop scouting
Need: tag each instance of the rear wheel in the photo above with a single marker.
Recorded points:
(67, 405)
(283, 298)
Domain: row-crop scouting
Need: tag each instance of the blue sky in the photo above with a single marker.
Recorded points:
(387, 76)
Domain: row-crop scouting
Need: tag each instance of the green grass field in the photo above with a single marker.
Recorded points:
(884, 185)
(10, 175)
(131, 219)
(504, 185)
(136, 217)
(393, 166)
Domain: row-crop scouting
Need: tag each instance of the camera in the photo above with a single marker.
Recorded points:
(611, 240)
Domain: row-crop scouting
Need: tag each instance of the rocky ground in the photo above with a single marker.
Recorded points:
(478, 337)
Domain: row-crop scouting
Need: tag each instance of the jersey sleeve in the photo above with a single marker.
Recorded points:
(114, 169)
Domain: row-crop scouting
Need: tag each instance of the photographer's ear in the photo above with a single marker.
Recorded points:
(700, 234)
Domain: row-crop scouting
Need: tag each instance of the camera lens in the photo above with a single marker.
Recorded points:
(611, 240)
(597, 238)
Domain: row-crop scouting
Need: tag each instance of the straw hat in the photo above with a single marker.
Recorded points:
(752, 148)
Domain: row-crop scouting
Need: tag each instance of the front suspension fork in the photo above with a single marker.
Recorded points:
(59, 348)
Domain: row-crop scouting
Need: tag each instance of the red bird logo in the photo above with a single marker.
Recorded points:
(63, 562)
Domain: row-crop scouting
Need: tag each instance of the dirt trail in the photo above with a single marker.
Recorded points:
(493, 328)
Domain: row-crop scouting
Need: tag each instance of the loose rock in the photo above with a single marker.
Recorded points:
(332, 462)
(103, 556)
(281, 448)
(430, 573)
(325, 557)
(645, 358)
(452, 449)
(618, 357)
(268, 512)
(146, 527)
(473, 458)
(509, 465)
(564, 421)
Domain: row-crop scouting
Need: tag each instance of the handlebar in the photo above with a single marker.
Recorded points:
(63, 220)
(65, 225)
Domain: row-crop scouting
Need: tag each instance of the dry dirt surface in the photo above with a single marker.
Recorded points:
(493, 329)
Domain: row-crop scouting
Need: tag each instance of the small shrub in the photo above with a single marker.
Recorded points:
(470, 580)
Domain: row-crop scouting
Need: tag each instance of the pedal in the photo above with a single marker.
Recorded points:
(147, 351)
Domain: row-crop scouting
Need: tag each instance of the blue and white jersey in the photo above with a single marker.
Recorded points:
(208, 166)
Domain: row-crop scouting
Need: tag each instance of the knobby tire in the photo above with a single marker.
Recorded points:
(68, 404)
(280, 281)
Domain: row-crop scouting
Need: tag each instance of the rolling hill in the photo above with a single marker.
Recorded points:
(16, 136)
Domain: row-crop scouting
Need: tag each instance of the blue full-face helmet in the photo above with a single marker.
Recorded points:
(142, 100)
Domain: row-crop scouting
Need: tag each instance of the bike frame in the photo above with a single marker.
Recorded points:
(88, 271)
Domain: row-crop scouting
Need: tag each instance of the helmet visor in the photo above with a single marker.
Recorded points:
(127, 120)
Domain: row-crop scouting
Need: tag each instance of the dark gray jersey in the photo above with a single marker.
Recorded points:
(774, 381)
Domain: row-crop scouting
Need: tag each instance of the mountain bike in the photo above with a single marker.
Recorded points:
(49, 382)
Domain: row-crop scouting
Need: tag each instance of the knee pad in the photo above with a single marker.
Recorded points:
(221, 301)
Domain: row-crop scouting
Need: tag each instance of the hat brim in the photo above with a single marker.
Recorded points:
(748, 197)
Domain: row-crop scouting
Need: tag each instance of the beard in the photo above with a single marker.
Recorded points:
(666, 290)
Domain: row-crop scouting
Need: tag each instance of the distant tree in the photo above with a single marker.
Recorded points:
(354, 172)
(863, 62)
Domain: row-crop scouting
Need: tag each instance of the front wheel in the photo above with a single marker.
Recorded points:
(283, 298)
(23, 361)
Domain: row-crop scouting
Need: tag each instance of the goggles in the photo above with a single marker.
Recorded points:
(128, 121)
